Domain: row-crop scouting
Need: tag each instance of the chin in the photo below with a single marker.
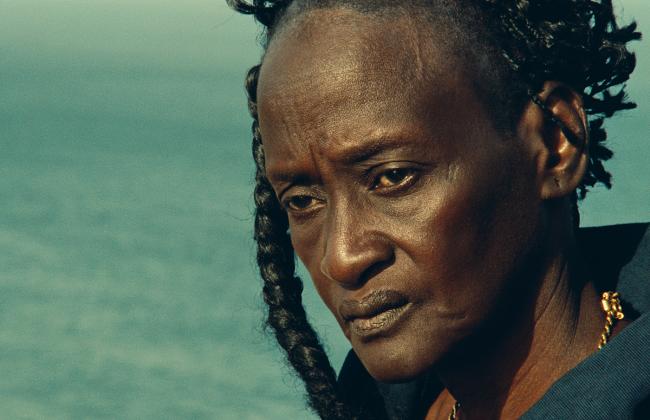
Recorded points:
(393, 360)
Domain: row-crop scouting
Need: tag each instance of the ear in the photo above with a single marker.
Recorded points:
(554, 124)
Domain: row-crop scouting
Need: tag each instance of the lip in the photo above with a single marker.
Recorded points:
(375, 313)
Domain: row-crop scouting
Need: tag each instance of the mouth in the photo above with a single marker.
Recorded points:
(375, 314)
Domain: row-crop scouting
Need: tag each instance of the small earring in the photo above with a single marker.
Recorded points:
(557, 182)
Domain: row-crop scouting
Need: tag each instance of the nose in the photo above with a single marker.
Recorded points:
(355, 248)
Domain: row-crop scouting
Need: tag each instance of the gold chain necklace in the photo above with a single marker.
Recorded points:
(611, 304)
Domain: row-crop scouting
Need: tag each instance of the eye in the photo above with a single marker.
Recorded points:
(300, 203)
(394, 178)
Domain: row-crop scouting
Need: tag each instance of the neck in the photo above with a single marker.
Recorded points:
(510, 365)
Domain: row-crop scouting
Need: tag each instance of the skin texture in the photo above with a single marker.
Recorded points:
(396, 179)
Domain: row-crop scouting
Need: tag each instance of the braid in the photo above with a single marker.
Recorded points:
(283, 289)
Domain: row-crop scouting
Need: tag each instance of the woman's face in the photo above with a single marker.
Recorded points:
(409, 209)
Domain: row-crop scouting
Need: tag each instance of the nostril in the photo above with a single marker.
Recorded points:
(375, 269)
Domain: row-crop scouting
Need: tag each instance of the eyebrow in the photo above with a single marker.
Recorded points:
(368, 149)
(356, 153)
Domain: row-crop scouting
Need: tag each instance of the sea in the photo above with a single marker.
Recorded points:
(128, 286)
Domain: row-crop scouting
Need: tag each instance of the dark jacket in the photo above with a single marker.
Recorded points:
(613, 383)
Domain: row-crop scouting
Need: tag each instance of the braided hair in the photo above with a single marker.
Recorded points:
(576, 42)
(283, 289)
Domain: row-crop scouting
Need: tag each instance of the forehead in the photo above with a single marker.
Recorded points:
(323, 51)
(337, 75)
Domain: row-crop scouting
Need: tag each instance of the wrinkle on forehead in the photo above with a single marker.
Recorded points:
(328, 57)
(351, 45)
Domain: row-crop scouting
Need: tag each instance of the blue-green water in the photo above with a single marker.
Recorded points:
(127, 282)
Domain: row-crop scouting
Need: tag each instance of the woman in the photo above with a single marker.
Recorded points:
(424, 159)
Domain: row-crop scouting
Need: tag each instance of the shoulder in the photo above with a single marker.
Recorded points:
(619, 259)
(615, 381)
(612, 383)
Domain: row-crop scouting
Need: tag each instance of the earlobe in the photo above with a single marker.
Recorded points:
(559, 122)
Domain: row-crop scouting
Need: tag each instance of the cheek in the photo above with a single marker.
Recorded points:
(469, 237)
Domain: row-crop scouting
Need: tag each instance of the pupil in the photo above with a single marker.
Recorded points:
(395, 175)
(301, 201)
